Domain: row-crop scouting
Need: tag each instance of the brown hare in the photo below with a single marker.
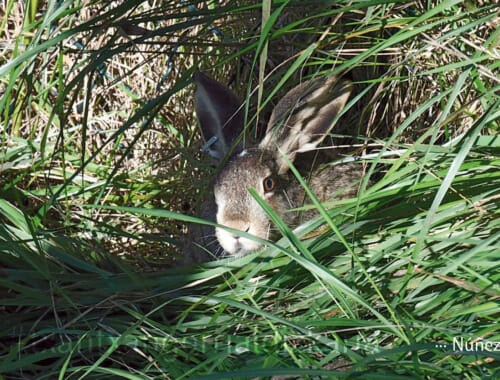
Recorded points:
(299, 123)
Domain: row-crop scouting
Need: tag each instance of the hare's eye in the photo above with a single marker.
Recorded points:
(268, 184)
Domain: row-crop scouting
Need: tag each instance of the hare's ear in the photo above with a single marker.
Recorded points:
(220, 115)
(304, 117)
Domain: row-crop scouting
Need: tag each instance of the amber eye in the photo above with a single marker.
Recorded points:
(268, 184)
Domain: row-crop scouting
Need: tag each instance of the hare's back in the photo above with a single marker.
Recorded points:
(336, 181)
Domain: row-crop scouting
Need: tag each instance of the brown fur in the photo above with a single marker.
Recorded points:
(300, 122)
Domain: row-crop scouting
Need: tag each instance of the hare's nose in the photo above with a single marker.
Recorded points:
(238, 237)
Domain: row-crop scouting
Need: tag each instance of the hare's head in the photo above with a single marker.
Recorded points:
(299, 123)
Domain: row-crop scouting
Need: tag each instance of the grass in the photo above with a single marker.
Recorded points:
(100, 172)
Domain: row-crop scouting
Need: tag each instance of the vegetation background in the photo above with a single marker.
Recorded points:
(100, 171)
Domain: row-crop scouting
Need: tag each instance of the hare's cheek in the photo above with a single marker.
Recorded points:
(278, 204)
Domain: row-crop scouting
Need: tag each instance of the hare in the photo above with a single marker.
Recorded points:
(299, 123)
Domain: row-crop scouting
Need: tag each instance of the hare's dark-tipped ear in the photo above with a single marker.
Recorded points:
(304, 117)
(220, 115)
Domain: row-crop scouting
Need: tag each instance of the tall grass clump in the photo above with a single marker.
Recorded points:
(101, 171)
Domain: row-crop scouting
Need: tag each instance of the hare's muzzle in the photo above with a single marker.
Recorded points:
(235, 244)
